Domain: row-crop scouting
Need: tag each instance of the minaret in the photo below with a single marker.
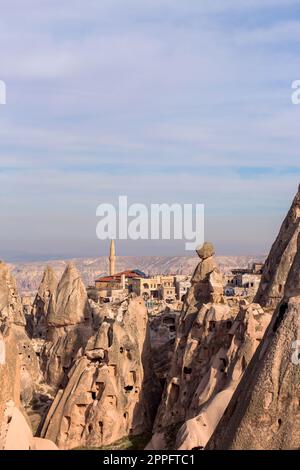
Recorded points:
(112, 258)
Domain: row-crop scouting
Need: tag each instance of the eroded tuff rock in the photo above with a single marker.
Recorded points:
(264, 412)
(9, 376)
(18, 368)
(11, 309)
(191, 359)
(69, 326)
(201, 324)
(12, 318)
(69, 305)
(41, 302)
(224, 372)
(162, 330)
(15, 428)
(111, 388)
(280, 259)
(214, 344)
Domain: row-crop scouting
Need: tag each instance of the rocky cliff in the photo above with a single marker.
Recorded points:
(264, 411)
(18, 371)
(111, 391)
(280, 259)
(214, 344)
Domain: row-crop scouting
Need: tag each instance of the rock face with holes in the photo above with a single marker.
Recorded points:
(224, 372)
(11, 309)
(264, 412)
(41, 302)
(200, 333)
(214, 344)
(9, 376)
(69, 326)
(18, 370)
(12, 322)
(280, 259)
(15, 428)
(111, 389)
(162, 337)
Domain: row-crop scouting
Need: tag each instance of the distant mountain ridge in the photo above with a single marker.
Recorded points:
(29, 274)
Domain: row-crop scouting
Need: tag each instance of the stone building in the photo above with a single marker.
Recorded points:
(182, 285)
(167, 293)
(160, 287)
(244, 281)
(117, 285)
(156, 287)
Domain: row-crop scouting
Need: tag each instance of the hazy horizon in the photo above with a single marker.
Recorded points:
(16, 257)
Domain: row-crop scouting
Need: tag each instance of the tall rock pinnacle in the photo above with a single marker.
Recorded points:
(214, 344)
(41, 303)
(110, 389)
(280, 259)
(69, 305)
(11, 309)
(264, 411)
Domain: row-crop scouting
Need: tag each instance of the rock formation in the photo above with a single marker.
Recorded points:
(18, 370)
(200, 320)
(162, 329)
(69, 326)
(110, 390)
(264, 412)
(11, 310)
(69, 305)
(12, 317)
(41, 303)
(224, 372)
(280, 259)
(213, 347)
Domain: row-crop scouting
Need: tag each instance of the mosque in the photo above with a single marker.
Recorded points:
(118, 285)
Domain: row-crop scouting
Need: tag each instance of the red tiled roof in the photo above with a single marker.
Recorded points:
(117, 276)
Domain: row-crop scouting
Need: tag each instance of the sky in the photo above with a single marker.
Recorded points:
(165, 101)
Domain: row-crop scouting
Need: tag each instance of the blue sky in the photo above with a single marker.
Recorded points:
(162, 100)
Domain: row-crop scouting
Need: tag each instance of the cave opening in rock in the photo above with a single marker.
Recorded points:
(280, 316)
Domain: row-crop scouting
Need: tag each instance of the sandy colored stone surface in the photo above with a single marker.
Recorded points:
(264, 411)
(69, 305)
(111, 389)
(214, 344)
(40, 307)
(68, 327)
(11, 309)
(280, 259)
(19, 369)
